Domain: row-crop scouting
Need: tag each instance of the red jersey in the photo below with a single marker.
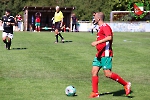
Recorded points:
(104, 49)
(37, 20)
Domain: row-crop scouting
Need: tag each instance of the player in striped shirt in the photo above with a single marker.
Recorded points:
(104, 56)
(94, 25)
(8, 23)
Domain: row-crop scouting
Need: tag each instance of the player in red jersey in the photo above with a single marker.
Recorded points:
(37, 21)
(104, 56)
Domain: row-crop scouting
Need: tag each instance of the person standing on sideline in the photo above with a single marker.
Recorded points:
(94, 25)
(8, 23)
(104, 56)
(32, 23)
(74, 22)
(58, 18)
(37, 21)
(19, 21)
(16, 23)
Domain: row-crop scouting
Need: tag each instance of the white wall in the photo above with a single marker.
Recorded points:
(116, 26)
(120, 26)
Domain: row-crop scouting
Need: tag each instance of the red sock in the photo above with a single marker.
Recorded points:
(95, 84)
(38, 28)
(117, 78)
(64, 29)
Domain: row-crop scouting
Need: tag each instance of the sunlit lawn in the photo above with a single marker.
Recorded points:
(38, 69)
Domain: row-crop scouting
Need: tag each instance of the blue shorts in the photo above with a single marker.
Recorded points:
(104, 62)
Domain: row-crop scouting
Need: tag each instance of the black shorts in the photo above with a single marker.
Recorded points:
(57, 25)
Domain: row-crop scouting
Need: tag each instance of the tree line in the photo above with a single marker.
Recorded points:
(83, 8)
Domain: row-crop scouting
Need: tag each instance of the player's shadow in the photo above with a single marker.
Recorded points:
(19, 48)
(117, 93)
(67, 41)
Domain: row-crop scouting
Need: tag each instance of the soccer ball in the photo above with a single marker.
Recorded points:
(70, 91)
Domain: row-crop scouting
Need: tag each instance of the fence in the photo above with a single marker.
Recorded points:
(130, 26)
(85, 26)
(120, 26)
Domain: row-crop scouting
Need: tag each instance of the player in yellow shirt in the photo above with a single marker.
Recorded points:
(58, 18)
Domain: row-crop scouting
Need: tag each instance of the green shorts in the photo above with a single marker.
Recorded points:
(37, 24)
(104, 62)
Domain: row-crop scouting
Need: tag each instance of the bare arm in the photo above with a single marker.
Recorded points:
(61, 23)
(9, 23)
(101, 41)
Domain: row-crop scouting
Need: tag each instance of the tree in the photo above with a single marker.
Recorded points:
(83, 8)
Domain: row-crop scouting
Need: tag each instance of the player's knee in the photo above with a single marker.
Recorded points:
(4, 38)
(56, 31)
(94, 73)
(108, 75)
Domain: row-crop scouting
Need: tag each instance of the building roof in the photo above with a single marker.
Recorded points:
(47, 8)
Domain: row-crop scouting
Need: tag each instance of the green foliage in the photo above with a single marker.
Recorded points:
(84, 8)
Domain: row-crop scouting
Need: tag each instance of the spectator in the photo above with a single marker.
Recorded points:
(94, 24)
(16, 23)
(37, 21)
(74, 22)
(1, 25)
(32, 23)
(53, 24)
(19, 21)
(63, 28)
(0, 22)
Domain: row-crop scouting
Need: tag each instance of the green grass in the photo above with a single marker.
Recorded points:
(37, 69)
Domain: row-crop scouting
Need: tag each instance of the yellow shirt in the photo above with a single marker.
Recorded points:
(58, 16)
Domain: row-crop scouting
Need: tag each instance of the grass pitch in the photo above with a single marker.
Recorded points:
(38, 69)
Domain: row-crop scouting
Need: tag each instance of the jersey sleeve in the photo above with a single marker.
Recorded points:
(12, 20)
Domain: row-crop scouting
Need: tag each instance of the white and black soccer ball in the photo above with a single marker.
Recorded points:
(70, 91)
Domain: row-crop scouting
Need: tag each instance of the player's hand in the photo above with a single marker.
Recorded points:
(8, 23)
(94, 43)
